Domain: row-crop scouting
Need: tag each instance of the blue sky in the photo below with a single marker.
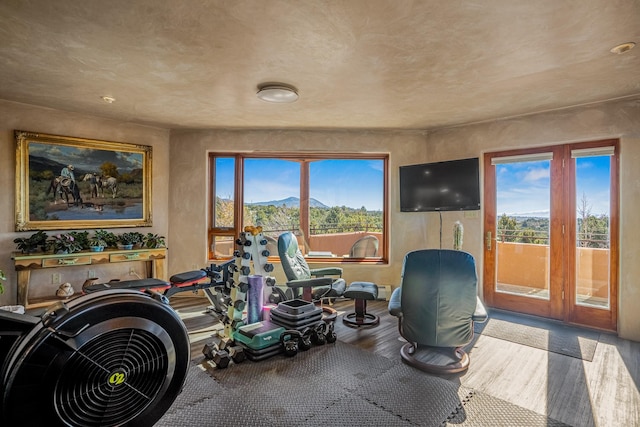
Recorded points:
(523, 188)
(87, 159)
(352, 183)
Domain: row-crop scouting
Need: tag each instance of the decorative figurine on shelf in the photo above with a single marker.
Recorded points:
(65, 290)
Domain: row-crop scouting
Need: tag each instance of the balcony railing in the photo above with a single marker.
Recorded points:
(541, 237)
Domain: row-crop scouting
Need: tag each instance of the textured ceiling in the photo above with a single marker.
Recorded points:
(357, 64)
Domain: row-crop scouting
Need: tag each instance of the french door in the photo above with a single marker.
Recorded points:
(551, 232)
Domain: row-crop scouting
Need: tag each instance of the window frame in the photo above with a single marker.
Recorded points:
(304, 159)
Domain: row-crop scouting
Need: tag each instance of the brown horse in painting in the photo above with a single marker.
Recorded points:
(63, 188)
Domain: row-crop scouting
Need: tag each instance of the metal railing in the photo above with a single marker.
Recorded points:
(541, 237)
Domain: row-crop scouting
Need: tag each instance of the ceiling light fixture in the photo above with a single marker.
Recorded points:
(622, 48)
(108, 99)
(278, 93)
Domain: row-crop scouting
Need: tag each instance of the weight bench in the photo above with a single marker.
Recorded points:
(361, 292)
(188, 281)
(138, 285)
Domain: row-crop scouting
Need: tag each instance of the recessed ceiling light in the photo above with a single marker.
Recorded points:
(622, 48)
(278, 93)
(108, 99)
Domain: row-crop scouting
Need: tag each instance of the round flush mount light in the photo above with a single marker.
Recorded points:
(278, 93)
(108, 99)
(622, 48)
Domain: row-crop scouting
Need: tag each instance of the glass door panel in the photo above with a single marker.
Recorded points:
(593, 253)
(523, 203)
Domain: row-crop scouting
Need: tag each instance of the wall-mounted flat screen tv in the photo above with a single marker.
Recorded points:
(443, 186)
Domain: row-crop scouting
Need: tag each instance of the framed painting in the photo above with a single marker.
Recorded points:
(75, 183)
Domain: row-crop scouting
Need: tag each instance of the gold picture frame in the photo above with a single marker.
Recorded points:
(64, 182)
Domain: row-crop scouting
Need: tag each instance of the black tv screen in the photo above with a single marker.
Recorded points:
(443, 186)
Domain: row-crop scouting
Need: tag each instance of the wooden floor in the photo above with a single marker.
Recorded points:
(603, 392)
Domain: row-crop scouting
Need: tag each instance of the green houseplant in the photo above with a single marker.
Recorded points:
(35, 242)
(153, 241)
(63, 243)
(458, 231)
(127, 240)
(81, 238)
(96, 244)
(108, 237)
(136, 238)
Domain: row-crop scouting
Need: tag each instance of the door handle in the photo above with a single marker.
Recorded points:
(488, 240)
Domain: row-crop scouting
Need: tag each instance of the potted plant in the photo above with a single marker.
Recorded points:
(126, 240)
(108, 237)
(63, 244)
(96, 244)
(33, 243)
(458, 230)
(81, 238)
(153, 241)
(136, 238)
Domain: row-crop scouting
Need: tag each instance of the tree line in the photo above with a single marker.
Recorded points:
(336, 219)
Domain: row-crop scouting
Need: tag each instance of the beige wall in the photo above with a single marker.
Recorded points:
(180, 203)
(620, 119)
(188, 204)
(25, 117)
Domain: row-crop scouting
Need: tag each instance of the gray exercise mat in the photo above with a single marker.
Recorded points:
(332, 384)
(540, 333)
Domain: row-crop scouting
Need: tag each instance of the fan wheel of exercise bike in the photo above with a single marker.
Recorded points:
(114, 361)
(113, 378)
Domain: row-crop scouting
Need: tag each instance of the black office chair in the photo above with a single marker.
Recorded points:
(436, 307)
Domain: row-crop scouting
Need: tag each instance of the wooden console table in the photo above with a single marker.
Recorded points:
(25, 263)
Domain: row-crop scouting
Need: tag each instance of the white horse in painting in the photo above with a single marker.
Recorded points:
(110, 183)
(100, 183)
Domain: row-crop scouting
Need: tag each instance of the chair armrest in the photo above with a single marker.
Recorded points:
(395, 309)
(480, 315)
(326, 271)
(308, 283)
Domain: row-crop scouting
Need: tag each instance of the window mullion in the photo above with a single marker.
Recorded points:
(238, 215)
(304, 199)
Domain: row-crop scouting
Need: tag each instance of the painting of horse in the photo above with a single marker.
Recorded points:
(111, 184)
(94, 183)
(69, 183)
(63, 188)
(98, 184)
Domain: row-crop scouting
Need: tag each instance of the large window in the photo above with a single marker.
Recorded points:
(336, 205)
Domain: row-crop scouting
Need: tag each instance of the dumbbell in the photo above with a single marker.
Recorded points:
(209, 350)
(237, 354)
(221, 359)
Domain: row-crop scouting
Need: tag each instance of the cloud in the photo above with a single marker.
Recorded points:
(536, 174)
